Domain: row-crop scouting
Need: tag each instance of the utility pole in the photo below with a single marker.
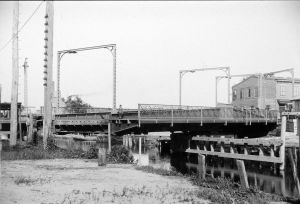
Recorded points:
(15, 77)
(48, 84)
(114, 50)
(25, 65)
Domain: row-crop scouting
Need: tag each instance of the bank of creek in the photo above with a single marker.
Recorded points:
(164, 177)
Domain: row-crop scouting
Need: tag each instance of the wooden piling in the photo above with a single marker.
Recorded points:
(222, 146)
(261, 152)
(109, 137)
(242, 173)
(298, 133)
(0, 154)
(140, 145)
(101, 157)
(30, 129)
(282, 147)
(140, 150)
(294, 169)
(201, 163)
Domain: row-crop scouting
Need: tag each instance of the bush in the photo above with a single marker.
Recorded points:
(119, 154)
(92, 153)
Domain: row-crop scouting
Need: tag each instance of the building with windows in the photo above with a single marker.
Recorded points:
(264, 92)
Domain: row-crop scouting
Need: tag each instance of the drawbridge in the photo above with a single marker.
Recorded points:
(194, 120)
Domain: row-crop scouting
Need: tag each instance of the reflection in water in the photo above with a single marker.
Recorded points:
(264, 176)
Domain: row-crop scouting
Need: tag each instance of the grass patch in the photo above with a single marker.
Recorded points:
(118, 154)
(162, 172)
(29, 181)
(133, 194)
(35, 152)
(221, 190)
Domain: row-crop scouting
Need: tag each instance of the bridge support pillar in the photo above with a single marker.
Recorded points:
(140, 149)
(130, 141)
(201, 163)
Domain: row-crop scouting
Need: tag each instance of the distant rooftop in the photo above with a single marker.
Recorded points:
(278, 79)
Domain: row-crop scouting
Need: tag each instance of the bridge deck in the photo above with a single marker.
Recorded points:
(161, 117)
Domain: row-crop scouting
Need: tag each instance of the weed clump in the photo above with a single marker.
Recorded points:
(162, 172)
(119, 154)
(219, 190)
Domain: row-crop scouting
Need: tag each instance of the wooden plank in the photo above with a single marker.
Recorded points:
(291, 113)
(237, 156)
(234, 171)
(258, 141)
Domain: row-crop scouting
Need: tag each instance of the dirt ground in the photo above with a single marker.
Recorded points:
(82, 181)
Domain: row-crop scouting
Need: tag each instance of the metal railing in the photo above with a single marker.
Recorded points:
(202, 113)
(65, 110)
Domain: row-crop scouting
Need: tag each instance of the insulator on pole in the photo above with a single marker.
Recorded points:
(46, 39)
(46, 31)
(45, 65)
(45, 53)
(46, 16)
(46, 23)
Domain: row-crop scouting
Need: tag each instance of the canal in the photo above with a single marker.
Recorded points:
(264, 176)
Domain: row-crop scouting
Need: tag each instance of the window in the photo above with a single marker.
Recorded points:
(241, 93)
(249, 93)
(296, 91)
(282, 91)
(255, 90)
(234, 95)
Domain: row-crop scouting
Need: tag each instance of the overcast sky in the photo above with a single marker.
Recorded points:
(154, 41)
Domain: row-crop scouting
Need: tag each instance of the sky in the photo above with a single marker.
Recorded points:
(154, 41)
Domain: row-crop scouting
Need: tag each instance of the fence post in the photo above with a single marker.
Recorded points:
(242, 172)
(282, 147)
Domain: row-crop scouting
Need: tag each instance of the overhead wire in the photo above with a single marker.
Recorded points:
(36, 9)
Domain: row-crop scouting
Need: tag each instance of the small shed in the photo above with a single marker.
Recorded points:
(296, 104)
